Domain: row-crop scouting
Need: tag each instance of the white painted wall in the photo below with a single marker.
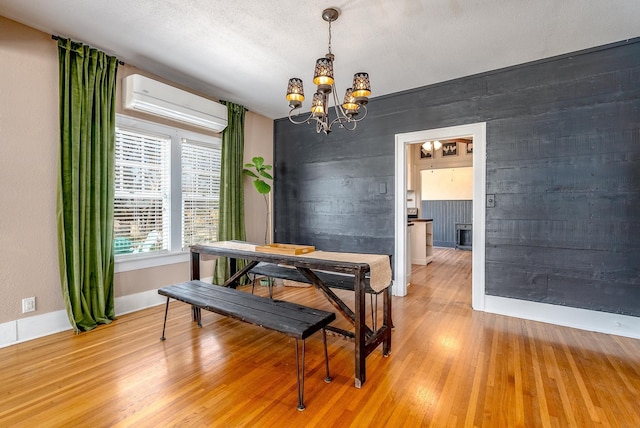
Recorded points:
(447, 184)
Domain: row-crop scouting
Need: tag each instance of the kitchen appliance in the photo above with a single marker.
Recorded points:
(412, 212)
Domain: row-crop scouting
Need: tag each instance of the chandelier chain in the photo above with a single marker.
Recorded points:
(329, 36)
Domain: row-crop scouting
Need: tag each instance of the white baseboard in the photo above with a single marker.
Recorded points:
(138, 301)
(24, 329)
(33, 327)
(583, 319)
(8, 333)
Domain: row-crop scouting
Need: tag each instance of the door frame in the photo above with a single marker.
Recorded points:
(478, 132)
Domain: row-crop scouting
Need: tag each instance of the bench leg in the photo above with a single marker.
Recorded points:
(166, 311)
(253, 285)
(326, 356)
(300, 374)
(196, 315)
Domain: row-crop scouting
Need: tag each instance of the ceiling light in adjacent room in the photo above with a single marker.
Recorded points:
(429, 145)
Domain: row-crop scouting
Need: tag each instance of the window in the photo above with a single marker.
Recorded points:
(200, 192)
(141, 199)
(167, 187)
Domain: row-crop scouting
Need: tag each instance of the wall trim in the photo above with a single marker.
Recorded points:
(583, 319)
(34, 327)
(25, 329)
(479, 132)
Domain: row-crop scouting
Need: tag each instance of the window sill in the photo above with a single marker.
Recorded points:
(125, 264)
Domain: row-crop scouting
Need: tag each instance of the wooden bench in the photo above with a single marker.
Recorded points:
(288, 318)
(330, 279)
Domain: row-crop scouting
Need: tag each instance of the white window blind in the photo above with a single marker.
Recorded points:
(200, 192)
(142, 180)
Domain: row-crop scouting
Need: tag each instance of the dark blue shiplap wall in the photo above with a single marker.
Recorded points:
(445, 215)
(563, 160)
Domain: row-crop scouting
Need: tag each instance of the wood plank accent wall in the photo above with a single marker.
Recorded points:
(563, 160)
(445, 215)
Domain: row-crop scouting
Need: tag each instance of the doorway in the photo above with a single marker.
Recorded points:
(478, 133)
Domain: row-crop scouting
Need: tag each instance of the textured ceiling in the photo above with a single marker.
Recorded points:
(245, 51)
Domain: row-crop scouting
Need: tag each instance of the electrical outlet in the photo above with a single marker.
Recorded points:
(28, 305)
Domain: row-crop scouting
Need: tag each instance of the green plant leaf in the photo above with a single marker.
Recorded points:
(258, 161)
(258, 170)
(261, 186)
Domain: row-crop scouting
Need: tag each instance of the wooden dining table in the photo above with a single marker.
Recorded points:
(368, 272)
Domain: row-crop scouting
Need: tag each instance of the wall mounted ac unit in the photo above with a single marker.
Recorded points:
(150, 96)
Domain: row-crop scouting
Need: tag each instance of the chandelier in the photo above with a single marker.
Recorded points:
(354, 107)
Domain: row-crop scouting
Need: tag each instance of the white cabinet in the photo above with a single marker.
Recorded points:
(421, 241)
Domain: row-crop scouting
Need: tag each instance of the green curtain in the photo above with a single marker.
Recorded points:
(231, 222)
(85, 183)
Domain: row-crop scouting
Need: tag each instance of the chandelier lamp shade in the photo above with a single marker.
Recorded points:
(348, 113)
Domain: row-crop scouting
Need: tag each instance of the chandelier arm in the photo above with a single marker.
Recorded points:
(336, 104)
(361, 117)
(300, 122)
(341, 116)
(344, 123)
(322, 126)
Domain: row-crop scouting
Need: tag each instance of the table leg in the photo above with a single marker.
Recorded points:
(195, 265)
(387, 321)
(233, 268)
(232, 281)
(195, 274)
(360, 339)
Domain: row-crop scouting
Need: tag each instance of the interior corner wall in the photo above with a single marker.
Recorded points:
(258, 141)
(562, 159)
(29, 125)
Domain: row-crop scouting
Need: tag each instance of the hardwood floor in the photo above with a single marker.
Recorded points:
(449, 366)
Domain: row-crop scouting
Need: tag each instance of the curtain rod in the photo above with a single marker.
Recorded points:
(54, 37)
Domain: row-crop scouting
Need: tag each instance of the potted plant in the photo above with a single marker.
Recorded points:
(258, 170)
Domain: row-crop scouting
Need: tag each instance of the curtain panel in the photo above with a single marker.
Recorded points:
(85, 185)
(231, 220)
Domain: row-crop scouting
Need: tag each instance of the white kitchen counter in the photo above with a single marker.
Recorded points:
(421, 241)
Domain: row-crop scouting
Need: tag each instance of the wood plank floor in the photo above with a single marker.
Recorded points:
(449, 366)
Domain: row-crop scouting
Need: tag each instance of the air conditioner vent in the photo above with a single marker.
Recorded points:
(146, 95)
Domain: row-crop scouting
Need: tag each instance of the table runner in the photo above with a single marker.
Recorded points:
(380, 267)
(233, 245)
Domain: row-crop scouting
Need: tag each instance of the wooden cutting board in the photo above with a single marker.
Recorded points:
(289, 249)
